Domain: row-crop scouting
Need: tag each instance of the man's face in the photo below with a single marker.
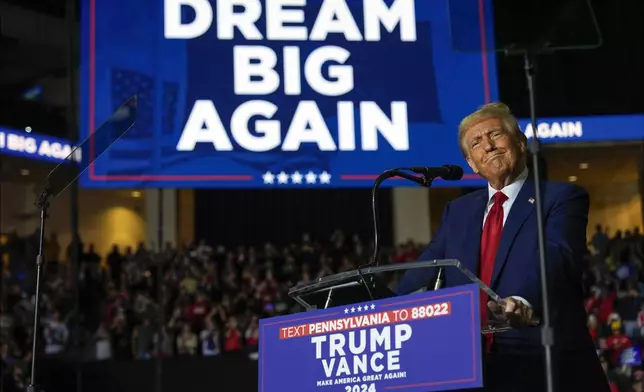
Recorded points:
(493, 152)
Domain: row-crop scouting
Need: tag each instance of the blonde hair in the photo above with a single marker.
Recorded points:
(491, 110)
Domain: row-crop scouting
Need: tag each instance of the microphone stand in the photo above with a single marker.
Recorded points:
(43, 204)
(422, 180)
(534, 146)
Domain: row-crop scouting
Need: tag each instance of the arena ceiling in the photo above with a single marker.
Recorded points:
(33, 52)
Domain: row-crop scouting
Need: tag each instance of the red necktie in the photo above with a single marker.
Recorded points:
(490, 239)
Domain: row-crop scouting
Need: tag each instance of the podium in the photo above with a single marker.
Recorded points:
(358, 336)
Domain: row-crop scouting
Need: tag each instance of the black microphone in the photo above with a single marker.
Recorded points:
(446, 172)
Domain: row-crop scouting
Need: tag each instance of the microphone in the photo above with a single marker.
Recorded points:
(446, 172)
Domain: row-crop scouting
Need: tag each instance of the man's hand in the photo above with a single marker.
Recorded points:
(517, 313)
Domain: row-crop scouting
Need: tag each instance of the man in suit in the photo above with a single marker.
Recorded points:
(493, 232)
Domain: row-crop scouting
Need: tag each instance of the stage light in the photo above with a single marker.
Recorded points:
(572, 178)
(583, 166)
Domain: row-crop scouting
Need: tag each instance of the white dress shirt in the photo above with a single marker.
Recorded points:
(511, 191)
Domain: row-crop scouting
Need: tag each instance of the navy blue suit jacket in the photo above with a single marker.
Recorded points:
(517, 269)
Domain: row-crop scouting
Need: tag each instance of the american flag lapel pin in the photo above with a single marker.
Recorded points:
(531, 200)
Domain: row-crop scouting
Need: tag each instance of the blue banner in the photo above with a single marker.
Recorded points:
(34, 146)
(421, 342)
(587, 128)
(289, 93)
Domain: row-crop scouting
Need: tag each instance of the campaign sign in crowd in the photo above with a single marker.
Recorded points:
(376, 346)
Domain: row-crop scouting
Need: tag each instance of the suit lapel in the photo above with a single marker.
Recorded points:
(473, 234)
(519, 212)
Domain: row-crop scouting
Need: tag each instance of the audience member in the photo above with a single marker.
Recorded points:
(211, 298)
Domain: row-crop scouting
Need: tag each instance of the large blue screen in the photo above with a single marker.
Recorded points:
(278, 93)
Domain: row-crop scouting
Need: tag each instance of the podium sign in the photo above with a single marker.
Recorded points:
(427, 341)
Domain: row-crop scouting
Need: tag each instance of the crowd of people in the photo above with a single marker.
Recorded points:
(615, 304)
(209, 302)
(211, 298)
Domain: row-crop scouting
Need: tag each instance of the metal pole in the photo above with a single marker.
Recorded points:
(534, 145)
(43, 205)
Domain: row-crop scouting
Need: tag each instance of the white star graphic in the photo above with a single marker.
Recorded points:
(311, 177)
(353, 310)
(373, 306)
(346, 310)
(268, 177)
(282, 178)
(359, 308)
(296, 178)
(325, 178)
